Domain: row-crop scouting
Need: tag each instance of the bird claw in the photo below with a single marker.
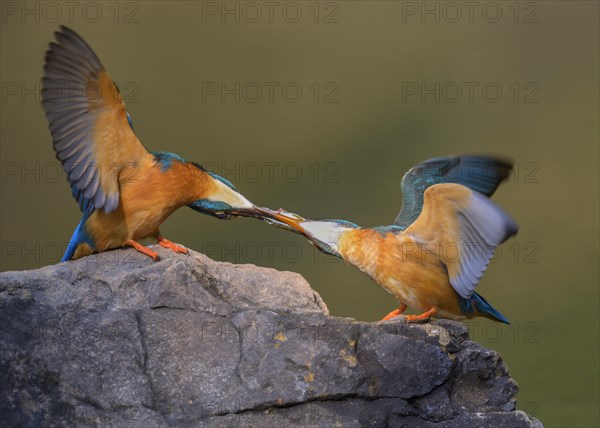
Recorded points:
(424, 317)
(413, 319)
(392, 315)
(144, 250)
(395, 313)
(165, 243)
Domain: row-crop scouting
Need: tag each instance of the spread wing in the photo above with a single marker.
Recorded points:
(480, 173)
(464, 227)
(92, 136)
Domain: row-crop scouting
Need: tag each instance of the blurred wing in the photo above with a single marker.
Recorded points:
(480, 173)
(92, 136)
(464, 227)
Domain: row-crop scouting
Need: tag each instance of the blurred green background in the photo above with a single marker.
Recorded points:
(360, 92)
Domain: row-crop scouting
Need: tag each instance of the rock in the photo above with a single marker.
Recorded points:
(117, 339)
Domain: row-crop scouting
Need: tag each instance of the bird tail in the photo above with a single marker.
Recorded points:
(479, 306)
(79, 236)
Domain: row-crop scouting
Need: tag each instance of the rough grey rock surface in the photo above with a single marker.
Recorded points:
(116, 339)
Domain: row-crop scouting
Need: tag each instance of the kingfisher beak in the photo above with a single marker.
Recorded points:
(286, 220)
(253, 211)
(280, 218)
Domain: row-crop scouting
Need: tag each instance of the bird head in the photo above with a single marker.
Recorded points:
(323, 234)
(225, 202)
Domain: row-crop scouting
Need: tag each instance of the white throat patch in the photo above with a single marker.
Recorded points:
(325, 231)
(229, 196)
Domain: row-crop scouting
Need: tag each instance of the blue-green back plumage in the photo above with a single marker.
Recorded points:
(222, 180)
(480, 173)
(166, 159)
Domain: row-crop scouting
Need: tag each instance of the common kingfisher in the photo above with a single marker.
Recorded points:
(124, 191)
(436, 251)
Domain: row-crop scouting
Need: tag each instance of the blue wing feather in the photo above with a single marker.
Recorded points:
(480, 173)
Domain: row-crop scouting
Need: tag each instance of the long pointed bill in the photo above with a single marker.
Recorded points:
(287, 220)
(280, 218)
(253, 211)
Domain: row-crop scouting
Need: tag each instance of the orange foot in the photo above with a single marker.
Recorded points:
(423, 317)
(395, 313)
(171, 245)
(143, 249)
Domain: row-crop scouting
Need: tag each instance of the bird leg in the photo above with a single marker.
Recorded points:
(143, 249)
(395, 312)
(163, 242)
(424, 316)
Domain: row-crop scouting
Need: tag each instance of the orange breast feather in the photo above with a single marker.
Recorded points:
(405, 267)
(148, 196)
